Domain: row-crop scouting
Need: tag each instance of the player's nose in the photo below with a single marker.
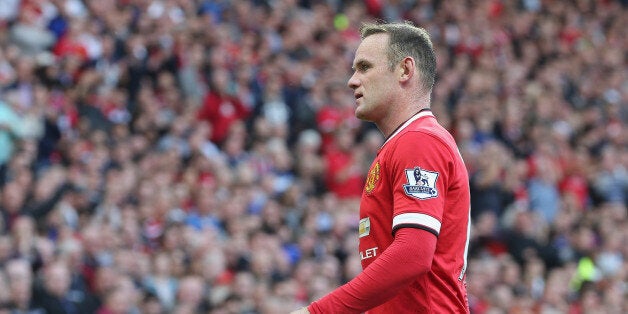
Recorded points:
(353, 82)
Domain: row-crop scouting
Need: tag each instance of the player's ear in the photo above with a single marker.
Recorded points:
(406, 69)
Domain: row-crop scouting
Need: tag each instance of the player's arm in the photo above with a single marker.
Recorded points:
(407, 258)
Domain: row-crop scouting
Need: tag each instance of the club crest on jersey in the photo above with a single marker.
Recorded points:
(421, 183)
(372, 178)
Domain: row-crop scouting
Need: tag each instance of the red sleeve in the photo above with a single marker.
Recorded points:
(408, 257)
(421, 167)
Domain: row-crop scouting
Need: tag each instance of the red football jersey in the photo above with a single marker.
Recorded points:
(419, 180)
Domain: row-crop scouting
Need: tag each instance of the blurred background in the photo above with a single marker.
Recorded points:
(181, 156)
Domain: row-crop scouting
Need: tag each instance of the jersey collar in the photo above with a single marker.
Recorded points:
(422, 113)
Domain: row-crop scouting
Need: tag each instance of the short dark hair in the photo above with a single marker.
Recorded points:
(405, 40)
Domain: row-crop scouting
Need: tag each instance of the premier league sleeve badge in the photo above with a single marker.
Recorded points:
(421, 183)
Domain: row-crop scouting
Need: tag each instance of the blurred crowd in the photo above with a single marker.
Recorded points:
(197, 156)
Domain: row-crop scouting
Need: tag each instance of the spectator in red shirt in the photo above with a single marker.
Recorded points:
(337, 113)
(344, 174)
(221, 107)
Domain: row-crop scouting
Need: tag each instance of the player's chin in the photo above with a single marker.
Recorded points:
(358, 111)
(361, 113)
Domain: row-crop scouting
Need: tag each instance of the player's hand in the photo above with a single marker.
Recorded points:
(302, 310)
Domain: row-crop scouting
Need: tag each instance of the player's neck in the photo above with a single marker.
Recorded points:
(396, 120)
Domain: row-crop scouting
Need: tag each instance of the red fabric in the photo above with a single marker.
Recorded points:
(495, 9)
(374, 7)
(577, 186)
(330, 118)
(569, 35)
(68, 47)
(341, 179)
(221, 111)
(405, 260)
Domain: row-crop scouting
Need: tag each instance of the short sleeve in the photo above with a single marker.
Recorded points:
(420, 166)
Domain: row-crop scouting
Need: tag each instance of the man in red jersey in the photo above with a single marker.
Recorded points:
(414, 213)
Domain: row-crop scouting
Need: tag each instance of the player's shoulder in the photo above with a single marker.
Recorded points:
(426, 130)
(430, 139)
